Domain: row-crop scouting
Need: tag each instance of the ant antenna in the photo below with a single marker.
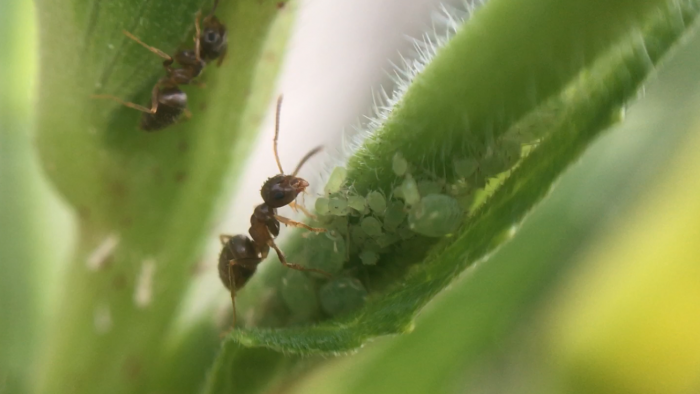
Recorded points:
(213, 8)
(305, 158)
(277, 133)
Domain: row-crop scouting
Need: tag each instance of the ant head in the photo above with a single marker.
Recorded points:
(213, 40)
(280, 190)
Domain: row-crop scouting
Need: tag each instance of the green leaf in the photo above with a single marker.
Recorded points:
(488, 333)
(626, 39)
(21, 201)
(152, 196)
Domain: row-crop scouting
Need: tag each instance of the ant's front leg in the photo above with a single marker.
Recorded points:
(303, 209)
(293, 223)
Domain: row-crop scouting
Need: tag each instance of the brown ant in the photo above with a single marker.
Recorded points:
(168, 102)
(241, 255)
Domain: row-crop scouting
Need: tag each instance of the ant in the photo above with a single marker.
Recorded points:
(168, 102)
(241, 255)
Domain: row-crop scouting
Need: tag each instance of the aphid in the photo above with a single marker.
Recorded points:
(377, 202)
(399, 164)
(240, 254)
(436, 215)
(357, 203)
(336, 180)
(168, 101)
(342, 295)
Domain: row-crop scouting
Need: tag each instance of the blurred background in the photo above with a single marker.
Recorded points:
(608, 266)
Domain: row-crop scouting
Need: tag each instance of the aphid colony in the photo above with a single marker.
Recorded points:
(168, 101)
(363, 228)
(360, 229)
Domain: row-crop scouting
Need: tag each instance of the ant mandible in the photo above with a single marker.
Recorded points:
(240, 254)
(168, 102)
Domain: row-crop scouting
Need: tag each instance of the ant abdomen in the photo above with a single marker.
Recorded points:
(241, 249)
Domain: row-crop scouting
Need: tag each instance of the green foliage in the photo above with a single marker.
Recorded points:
(584, 108)
(152, 194)
(450, 169)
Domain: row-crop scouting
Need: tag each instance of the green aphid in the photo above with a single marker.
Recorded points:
(492, 165)
(398, 192)
(409, 189)
(342, 295)
(465, 167)
(429, 187)
(299, 294)
(386, 240)
(377, 202)
(436, 215)
(399, 164)
(394, 215)
(405, 233)
(371, 226)
(336, 180)
(357, 235)
(321, 206)
(510, 151)
(325, 252)
(338, 206)
(340, 224)
(369, 257)
(357, 203)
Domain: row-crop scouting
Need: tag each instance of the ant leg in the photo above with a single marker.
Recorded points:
(150, 48)
(197, 35)
(287, 264)
(293, 223)
(232, 288)
(198, 84)
(303, 209)
(221, 59)
(155, 95)
(120, 101)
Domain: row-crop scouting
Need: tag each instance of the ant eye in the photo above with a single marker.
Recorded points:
(211, 36)
(279, 195)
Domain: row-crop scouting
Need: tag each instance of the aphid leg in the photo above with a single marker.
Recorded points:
(120, 101)
(287, 264)
(301, 207)
(187, 113)
(150, 48)
(290, 222)
(197, 35)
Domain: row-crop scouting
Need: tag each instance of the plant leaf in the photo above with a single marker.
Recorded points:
(488, 333)
(427, 134)
(151, 195)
